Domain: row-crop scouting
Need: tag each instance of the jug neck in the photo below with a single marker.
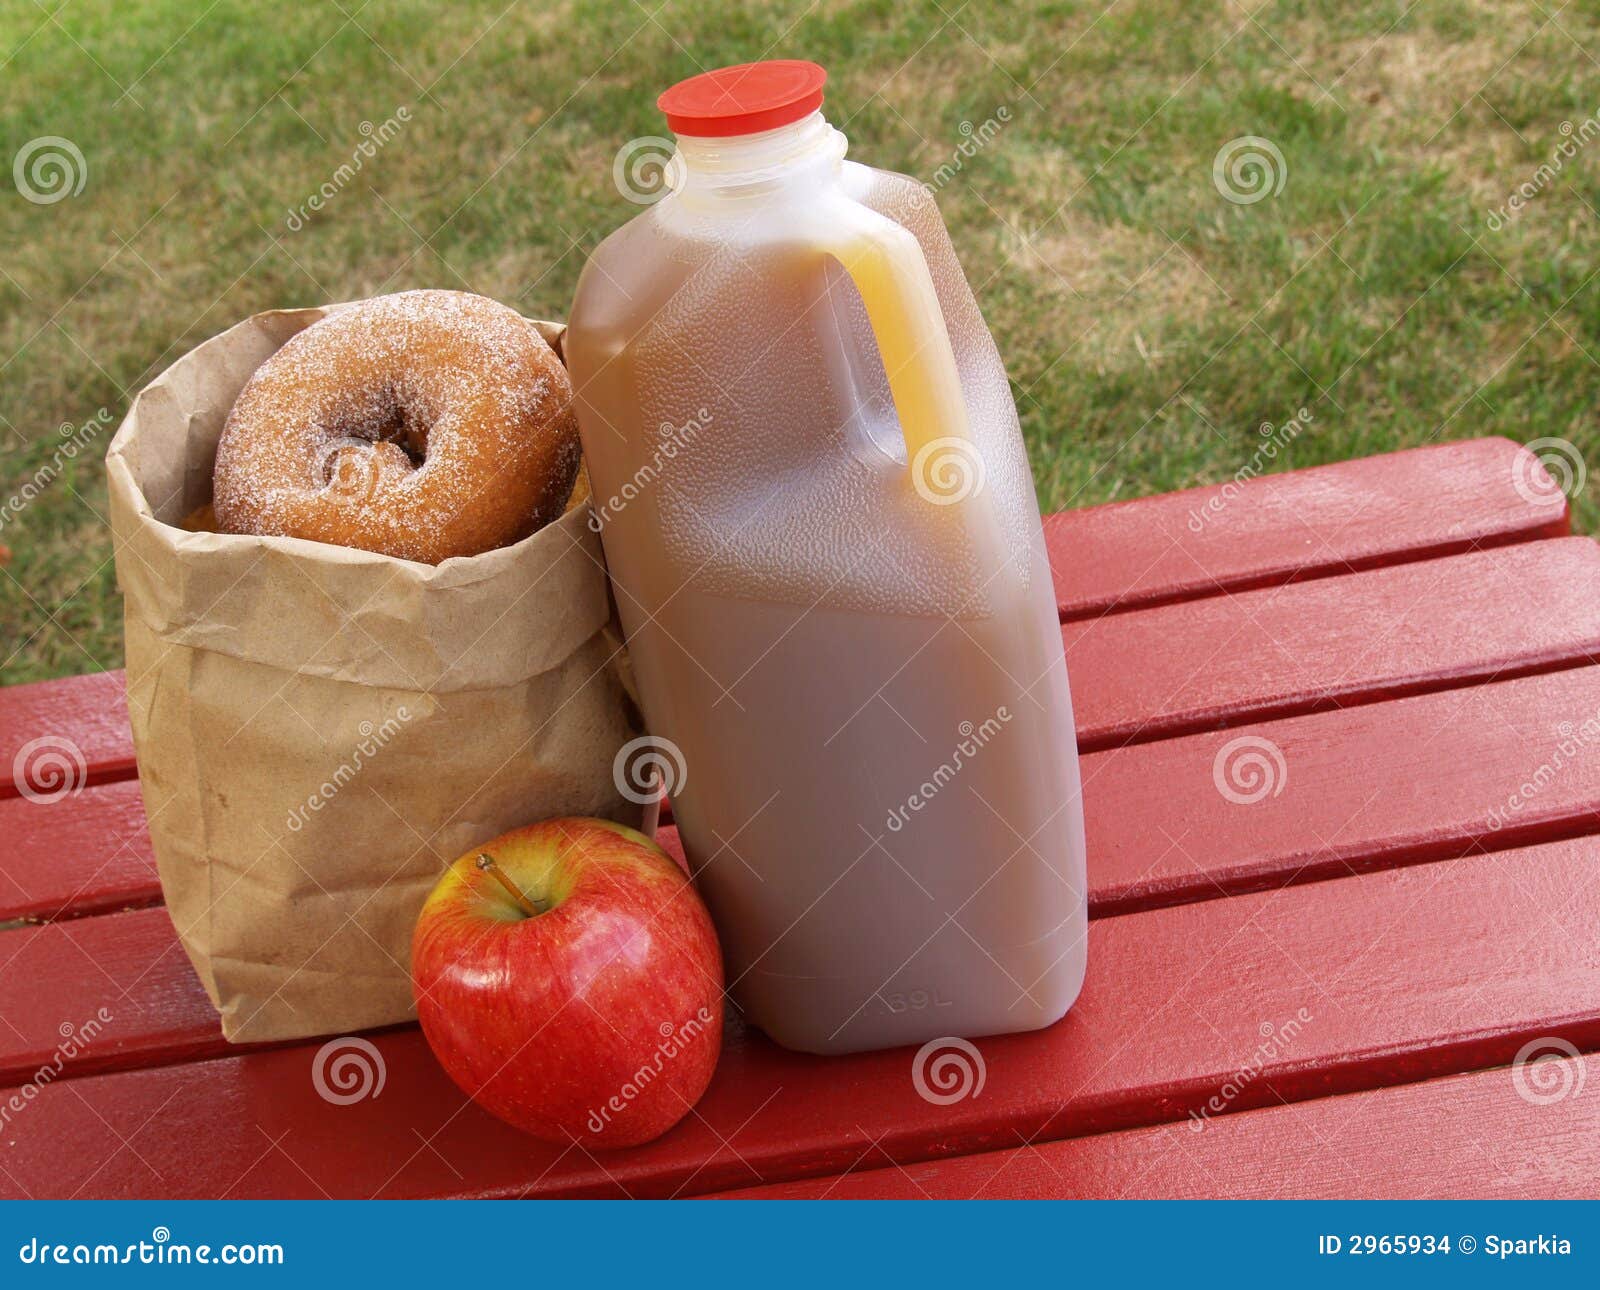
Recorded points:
(806, 150)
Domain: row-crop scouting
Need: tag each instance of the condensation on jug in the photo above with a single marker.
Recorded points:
(854, 648)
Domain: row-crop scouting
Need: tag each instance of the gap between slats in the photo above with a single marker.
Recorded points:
(1396, 978)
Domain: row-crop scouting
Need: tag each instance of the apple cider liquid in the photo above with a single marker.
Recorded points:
(827, 557)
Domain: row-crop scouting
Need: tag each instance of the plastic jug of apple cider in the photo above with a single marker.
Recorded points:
(825, 549)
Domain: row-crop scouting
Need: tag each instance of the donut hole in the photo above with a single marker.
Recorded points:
(404, 427)
(392, 415)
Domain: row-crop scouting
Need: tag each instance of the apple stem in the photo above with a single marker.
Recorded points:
(532, 908)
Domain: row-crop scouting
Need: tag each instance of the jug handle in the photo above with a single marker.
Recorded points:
(886, 264)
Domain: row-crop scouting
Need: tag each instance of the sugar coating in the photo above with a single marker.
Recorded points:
(423, 425)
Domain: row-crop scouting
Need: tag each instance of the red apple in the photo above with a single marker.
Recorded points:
(569, 980)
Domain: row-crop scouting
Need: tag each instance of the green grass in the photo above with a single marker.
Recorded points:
(1149, 326)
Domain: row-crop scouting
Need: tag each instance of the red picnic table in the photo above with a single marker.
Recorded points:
(1342, 784)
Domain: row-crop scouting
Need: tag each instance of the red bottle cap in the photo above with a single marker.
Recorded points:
(745, 99)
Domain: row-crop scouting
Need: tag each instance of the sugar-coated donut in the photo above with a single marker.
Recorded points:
(422, 425)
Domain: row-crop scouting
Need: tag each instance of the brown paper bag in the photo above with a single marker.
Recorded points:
(321, 730)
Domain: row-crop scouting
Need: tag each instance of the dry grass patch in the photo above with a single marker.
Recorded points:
(1405, 89)
(1135, 289)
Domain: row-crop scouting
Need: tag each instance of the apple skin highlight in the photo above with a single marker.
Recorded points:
(597, 1021)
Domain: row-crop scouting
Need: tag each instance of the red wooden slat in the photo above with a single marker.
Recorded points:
(1365, 788)
(1389, 783)
(1296, 648)
(130, 965)
(55, 735)
(1159, 672)
(1330, 519)
(85, 854)
(1316, 989)
(1464, 1137)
